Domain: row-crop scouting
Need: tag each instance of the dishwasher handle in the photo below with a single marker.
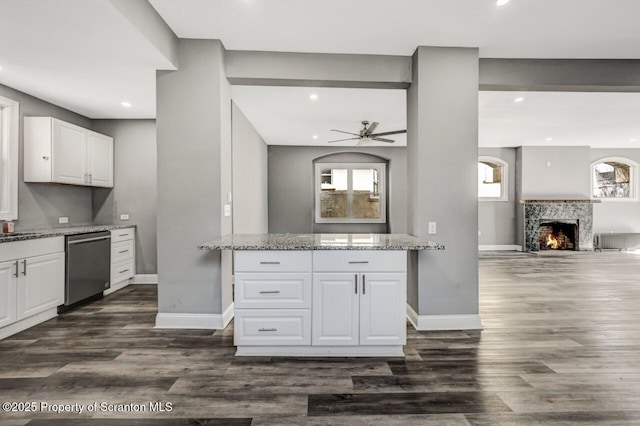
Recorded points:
(86, 240)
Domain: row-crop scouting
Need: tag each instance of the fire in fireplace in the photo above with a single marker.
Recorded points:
(558, 234)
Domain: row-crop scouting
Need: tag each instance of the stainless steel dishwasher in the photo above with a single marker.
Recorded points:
(88, 266)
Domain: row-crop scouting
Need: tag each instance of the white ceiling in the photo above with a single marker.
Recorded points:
(287, 115)
(80, 54)
(519, 29)
(86, 56)
(599, 120)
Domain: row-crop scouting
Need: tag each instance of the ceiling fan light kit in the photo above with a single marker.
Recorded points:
(366, 135)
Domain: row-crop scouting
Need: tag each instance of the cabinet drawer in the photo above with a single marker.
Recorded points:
(122, 234)
(273, 290)
(122, 250)
(122, 271)
(360, 260)
(272, 261)
(258, 327)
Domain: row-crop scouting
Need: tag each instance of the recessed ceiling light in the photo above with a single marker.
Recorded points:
(313, 97)
(502, 2)
(126, 104)
(0, 67)
(315, 136)
(519, 99)
(549, 139)
(632, 140)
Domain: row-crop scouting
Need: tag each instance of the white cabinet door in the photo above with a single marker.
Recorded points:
(69, 153)
(8, 282)
(382, 309)
(100, 159)
(41, 284)
(335, 309)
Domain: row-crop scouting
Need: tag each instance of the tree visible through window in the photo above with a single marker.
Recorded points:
(350, 193)
(612, 179)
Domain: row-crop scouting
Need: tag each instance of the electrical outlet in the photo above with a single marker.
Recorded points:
(227, 209)
(432, 228)
(479, 233)
(548, 163)
(63, 219)
(124, 217)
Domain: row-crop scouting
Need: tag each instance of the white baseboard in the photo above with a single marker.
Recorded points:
(443, 322)
(196, 321)
(323, 351)
(28, 323)
(227, 315)
(506, 247)
(145, 279)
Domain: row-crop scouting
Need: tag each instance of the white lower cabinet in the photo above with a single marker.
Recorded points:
(31, 282)
(359, 309)
(123, 258)
(320, 303)
(41, 284)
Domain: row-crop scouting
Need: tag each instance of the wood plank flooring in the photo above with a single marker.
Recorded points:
(561, 346)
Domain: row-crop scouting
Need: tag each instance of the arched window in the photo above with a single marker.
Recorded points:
(614, 178)
(492, 179)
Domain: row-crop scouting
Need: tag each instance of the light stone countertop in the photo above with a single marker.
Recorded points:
(56, 232)
(320, 242)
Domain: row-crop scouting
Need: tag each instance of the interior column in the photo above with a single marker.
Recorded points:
(442, 144)
(194, 180)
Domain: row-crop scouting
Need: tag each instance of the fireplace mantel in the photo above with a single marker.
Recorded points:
(577, 201)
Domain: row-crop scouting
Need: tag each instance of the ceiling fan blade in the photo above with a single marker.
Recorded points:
(372, 127)
(340, 140)
(383, 140)
(395, 132)
(342, 131)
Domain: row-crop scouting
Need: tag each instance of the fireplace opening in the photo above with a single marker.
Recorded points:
(558, 234)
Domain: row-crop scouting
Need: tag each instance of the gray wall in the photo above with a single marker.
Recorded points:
(567, 177)
(250, 189)
(194, 177)
(40, 204)
(497, 219)
(616, 216)
(292, 195)
(442, 150)
(135, 189)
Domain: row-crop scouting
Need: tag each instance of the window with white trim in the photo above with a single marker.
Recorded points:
(492, 179)
(614, 178)
(350, 193)
(9, 127)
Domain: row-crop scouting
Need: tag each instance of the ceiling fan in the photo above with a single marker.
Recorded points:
(367, 135)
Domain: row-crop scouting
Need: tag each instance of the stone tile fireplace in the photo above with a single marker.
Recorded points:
(558, 224)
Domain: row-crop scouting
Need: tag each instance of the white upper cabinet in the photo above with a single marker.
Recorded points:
(100, 159)
(59, 152)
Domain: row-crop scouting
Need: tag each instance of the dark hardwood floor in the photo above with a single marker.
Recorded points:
(561, 346)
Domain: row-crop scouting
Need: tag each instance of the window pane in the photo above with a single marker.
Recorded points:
(334, 204)
(489, 180)
(366, 199)
(612, 180)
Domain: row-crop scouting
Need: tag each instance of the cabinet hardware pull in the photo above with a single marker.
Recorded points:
(364, 285)
(123, 251)
(269, 263)
(123, 271)
(90, 177)
(267, 329)
(17, 268)
(122, 235)
(270, 292)
(44, 157)
(359, 261)
(356, 283)
(24, 264)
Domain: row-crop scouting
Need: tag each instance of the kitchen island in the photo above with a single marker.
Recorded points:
(320, 294)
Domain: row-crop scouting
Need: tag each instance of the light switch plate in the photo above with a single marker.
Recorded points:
(124, 217)
(227, 209)
(432, 227)
(63, 219)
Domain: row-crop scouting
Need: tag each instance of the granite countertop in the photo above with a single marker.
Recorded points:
(320, 242)
(57, 232)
